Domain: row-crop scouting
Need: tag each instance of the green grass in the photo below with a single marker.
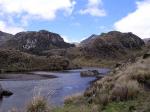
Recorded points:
(77, 108)
(139, 104)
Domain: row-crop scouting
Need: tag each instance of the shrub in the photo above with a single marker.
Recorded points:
(73, 99)
(102, 99)
(38, 104)
(141, 75)
(125, 90)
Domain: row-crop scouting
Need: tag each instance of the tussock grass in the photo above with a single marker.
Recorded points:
(125, 90)
(38, 104)
(73, 99)
(126, 83)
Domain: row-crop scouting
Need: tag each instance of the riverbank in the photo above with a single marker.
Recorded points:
(125, 89)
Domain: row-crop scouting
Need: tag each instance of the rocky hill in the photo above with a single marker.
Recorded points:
(88, 40)
(4, 37)
(36, 42)
(107, 49)
(112, 43)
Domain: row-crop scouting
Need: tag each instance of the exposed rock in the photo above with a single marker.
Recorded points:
(112, 44)
(36, 42)
(5, 92)
(118, 65)
(147, 55)
(89, 73)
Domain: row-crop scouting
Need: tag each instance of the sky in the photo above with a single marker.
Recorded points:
(76, 20)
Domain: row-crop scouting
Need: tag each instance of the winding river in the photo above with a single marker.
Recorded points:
(54, 89)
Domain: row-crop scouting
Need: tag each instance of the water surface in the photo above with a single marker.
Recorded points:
(55, 89)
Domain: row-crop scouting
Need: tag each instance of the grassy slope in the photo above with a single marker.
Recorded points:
(16, 61)
(79, 58)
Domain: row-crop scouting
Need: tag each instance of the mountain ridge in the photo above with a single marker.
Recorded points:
(36, 41)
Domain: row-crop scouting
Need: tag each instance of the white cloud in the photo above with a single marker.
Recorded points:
(9, 29)
(138, 21)
(94, 8)
(44, 9)
(14, 13)
(66, 38)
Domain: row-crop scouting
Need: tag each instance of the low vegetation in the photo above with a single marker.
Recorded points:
(16, 61)
(38, 104)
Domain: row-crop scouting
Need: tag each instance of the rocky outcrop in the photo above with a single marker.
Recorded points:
(112, 44)
(89, 73)
(146, 55)
(36, 42)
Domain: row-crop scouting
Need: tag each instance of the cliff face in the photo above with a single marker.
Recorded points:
(36, 42)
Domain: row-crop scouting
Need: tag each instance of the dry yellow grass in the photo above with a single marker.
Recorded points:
(125, 83)
(38, 104)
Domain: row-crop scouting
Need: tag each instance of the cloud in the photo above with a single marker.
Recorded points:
(138, 21)
(66, 38)
(94, 8)
(14, 13)
(10, 29)
(44, 9)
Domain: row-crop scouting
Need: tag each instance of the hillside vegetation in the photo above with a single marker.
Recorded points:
(16, 61)
(107, 49)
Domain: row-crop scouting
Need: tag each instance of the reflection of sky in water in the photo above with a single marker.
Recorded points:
(54, 90)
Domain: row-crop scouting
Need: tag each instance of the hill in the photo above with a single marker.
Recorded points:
(4, 37)
(36, 42)
(112, 42)
(16, 61)
(107, 48)
(88, 40)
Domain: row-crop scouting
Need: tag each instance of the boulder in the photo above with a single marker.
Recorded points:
(89, 73)
(7, 93)
(117, 65)
(147, 55)
(4, 92)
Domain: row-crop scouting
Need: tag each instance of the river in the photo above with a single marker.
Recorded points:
(55, 89)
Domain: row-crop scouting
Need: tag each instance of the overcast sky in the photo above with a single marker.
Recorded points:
(75, 20)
